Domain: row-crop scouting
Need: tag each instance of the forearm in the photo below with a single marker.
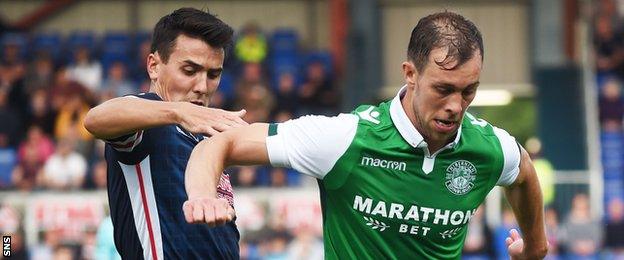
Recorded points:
(241, 146)
(204, 168)
(124, 115)
(526, 201)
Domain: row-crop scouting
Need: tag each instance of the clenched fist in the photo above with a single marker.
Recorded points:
(212, 211)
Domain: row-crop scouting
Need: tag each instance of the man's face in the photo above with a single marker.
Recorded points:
(441, 96)
(192, 73)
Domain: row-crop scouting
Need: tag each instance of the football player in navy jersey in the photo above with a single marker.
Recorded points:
(150, 137)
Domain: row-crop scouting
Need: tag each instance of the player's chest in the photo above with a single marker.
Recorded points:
(453, 179)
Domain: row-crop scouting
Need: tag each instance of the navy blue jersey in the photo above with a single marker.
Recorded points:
(146, 193)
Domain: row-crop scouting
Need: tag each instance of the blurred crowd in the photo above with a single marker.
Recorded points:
(46, 90)
(45, 94)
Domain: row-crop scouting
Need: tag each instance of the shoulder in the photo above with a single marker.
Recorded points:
(475, 130)
(372, 116)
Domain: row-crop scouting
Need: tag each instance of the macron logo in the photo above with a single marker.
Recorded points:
(370, 115)
(386, 164)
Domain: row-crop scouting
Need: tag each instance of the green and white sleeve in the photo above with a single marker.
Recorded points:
(511, 155)
(311, 144)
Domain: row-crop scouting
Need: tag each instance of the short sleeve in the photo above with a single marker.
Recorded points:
(311, 144)
(511, 156)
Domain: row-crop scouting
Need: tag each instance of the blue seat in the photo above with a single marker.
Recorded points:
(78, 39)
(226, 85)
(16, 39)
(48, 42)
(115, 47)
(284, 41)
(324, 57)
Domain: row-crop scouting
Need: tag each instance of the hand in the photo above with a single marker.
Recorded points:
(516, 249)
(515, 244)
(208, 121)
(212, 211)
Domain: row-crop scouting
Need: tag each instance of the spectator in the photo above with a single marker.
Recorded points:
(614, 229)
(40, 73)
(552, 231)
(252, 74)
(317, 94)
(8, 161)
(305, 245)
(607, 45)
(49, 240)
(105, 244)
(286, 96)
(64, 88)
(40, 112)
(31, 156)
(611, 106)
(70, 121)
(64, 252)
(251, 45)
(117, 84)
(258, 101)
(12, 71)
(11, 123)
(139, 70)
(502, 231)
(581, 234)
(18, 247)
(85, 71)
(543, 168)
(66, 168)
(99, 175)
(477, 243)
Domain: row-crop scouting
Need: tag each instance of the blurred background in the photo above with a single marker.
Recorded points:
(552, 77)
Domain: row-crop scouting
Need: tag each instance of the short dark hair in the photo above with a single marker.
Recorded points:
(444, 29)
(193, 23)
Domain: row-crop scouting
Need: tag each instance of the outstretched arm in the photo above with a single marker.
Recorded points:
(241, 146)
(525, 198)
(125, 115)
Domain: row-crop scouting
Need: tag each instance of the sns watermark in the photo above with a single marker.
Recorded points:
(6, 246)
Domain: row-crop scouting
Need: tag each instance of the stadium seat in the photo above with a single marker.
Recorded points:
(17, 39)
(284, 41)
(115, 46)
(48, 42)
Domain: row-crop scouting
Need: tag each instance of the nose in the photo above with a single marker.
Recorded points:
(454, 104)
(205, 85)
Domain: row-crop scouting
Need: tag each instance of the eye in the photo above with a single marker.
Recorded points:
(469, 91)
(444, 90)
(214, 74)
(189, 71)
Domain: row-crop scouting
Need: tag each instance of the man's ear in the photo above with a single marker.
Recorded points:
(153, 62)
(410, 74)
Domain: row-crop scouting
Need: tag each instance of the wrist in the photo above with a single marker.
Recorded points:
(173, 112)
(537, 251)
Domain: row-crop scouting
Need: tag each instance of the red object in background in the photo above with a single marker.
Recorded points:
(70, 217)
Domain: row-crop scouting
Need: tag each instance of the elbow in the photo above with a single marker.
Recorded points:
(90, 123)
(93, 124)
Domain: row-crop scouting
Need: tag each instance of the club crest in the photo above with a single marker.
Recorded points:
(460, 176)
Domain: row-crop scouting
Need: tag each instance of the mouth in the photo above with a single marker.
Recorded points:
(197, 102)
(445, 125)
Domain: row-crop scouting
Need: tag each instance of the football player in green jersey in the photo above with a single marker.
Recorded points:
(402, 179)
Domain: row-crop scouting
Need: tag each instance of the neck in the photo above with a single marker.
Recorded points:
(406, 103)
(156, 88)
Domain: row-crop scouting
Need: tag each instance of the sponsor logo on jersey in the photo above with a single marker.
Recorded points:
(386, 164)
(460, 176)
(370, 115)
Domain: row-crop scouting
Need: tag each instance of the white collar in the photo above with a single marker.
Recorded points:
(405, 126)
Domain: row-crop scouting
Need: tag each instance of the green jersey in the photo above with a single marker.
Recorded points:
(383, 195)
